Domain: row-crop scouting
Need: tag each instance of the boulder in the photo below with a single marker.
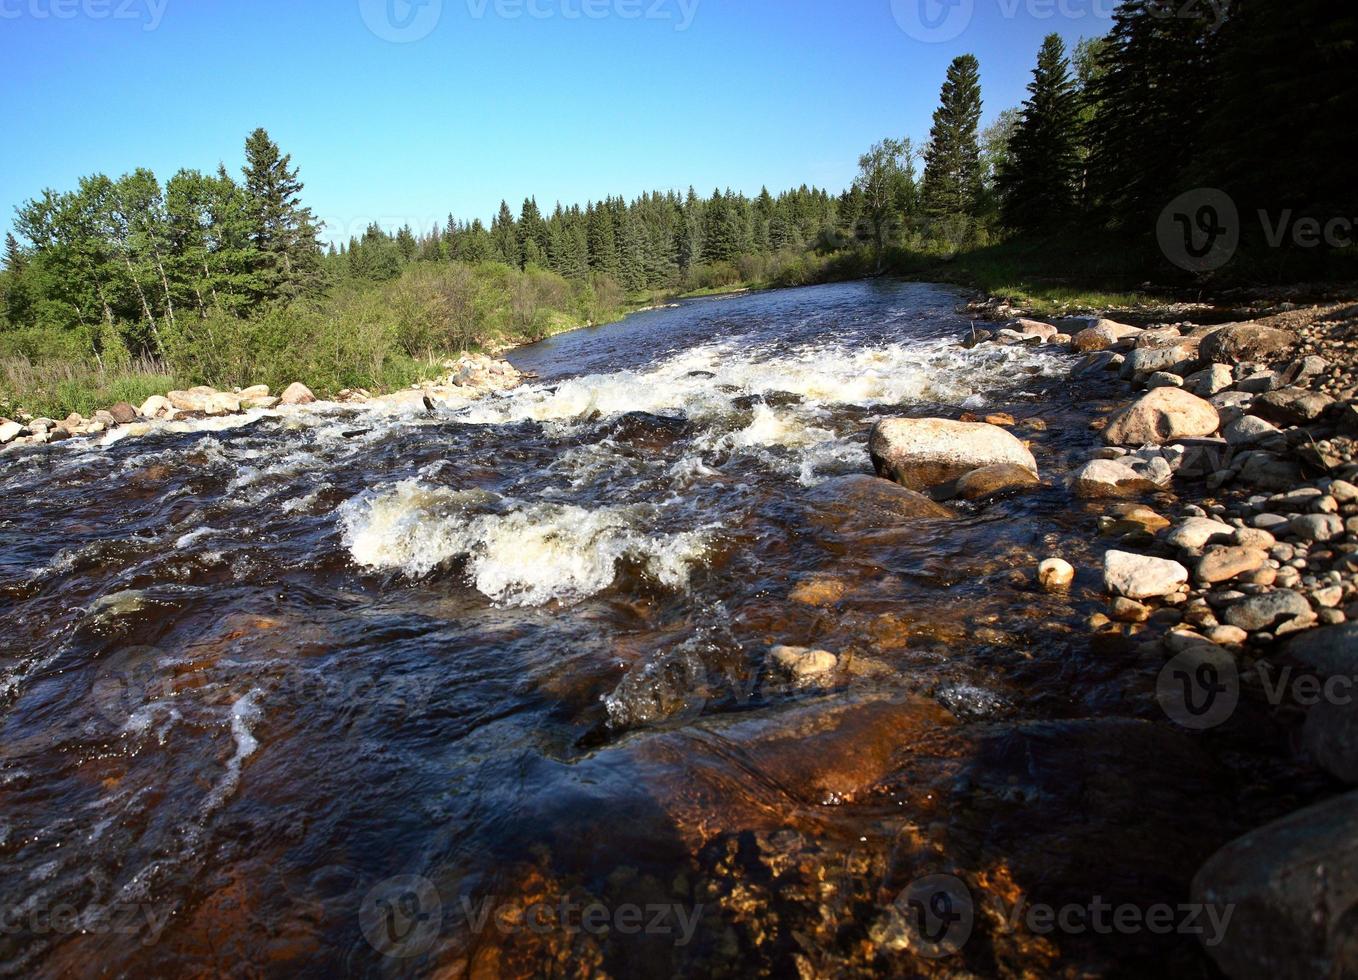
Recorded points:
(1291, 406)
(865, 502)
(1104, 478)
(267, 401)
(1247, 342)
(990, 481)
(195, 399)
(1197, 532)
(924, 453)
(1032, 328)
(1160, 417)
(1318, 527)
(123, 413)
(1248, 430)
(1140, 576)
(297, 394)
(253, 392)
(1163, 379)
(9, 431)
(1055, 574)
(1331, 734)
(1211, 381)
(1292, 890)
(1101, 336)
(1096, 363)
(1304, 369)
(156, 407)
(1144, 361)
(1331, 651)
(1267, 470)
(1282, 610)
(221, 403)
(1222, 563)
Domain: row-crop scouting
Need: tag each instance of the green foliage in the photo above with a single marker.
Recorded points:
(952, 189)
(1037, 181)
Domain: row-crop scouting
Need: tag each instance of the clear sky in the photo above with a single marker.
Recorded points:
(398, 112)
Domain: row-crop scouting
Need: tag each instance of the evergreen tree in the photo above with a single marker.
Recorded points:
(603, 244)
(1037, 183)
(14, 256)
(283, 232)
(951, 192)
(505, 237)
(534, 241)
(1150, 111)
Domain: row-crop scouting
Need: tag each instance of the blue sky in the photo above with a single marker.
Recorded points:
(455, 104)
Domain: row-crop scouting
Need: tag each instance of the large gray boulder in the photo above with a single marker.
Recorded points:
(1247, 342)
(1291, 888)
(925, 453)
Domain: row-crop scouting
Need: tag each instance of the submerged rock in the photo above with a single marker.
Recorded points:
(863, 501)
(990, 481)
(925, 453)
(802, 664)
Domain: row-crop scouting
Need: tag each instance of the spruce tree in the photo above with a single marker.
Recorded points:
(505, 237)
(284, 233)
(14, 256)
(951, 191)
(1037, 181)
(1151, 100)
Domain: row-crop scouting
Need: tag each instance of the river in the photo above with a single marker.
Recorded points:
(488, 692)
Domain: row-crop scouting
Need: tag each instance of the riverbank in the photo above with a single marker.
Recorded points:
(1226, 498)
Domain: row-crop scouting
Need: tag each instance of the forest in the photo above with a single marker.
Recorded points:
(123, 287)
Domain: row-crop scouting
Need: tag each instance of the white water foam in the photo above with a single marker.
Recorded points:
(521, 554)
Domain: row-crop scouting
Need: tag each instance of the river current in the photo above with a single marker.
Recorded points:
(487, 691)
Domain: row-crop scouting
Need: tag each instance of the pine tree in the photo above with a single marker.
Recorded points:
(14, 256)
(283, 232)
(534, 240)
(951, 191)
(505, 237)
(603, 244)
(1150, 111)
(1037, 183)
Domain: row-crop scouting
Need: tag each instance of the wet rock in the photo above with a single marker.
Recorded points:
(862, 501)
(297, 394)
(1331, 651)
(1103, 335)
(1282, 610)
(1291, 406)
(924, 453)
(991, 481)
(1141, 576)
(123, 413)
(1105, 478)
(976, 336)
(1125, 610)
(802, 664)
(1055, 574)
(1160, 417)
(818, 590)
(1292, 887)
(1247, 342)
(1097, 363)
(253, 392)
(1197, 532)
(266, 402)
(1225, 562)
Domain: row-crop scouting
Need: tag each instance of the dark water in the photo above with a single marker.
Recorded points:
(490, 693)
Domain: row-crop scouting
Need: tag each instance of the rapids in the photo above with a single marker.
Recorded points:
(330, 691)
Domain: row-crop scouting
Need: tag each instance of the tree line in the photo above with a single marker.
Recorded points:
(1259, 104)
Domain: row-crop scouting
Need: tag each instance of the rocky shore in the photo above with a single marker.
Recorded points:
(469, 377)
(1244, 436)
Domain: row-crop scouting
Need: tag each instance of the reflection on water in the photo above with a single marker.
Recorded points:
(411, 694)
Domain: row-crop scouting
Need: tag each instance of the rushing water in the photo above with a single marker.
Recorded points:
(336, 692)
